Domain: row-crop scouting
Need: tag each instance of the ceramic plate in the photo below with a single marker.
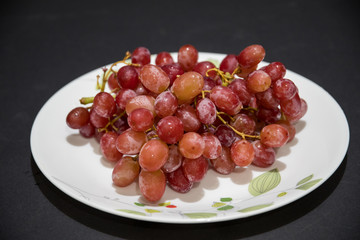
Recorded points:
(75, 164)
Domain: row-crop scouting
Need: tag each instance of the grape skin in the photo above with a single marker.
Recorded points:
(108, 147)
(170, 129)
(195, 169)
(77, 118)
(153, 155)
(191, 145)
(152, 184)
(154, 78)
(125, 171)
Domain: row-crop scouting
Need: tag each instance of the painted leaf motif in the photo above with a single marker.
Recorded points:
(224, 208)
(200, 215)
(164, 204)
(131, 211)
(225, 199)
(282, 194)
(308, 185)
(152, 211)
(218, 204)
(139, 204)
(308, 178)
(265, 182)
(253, 208)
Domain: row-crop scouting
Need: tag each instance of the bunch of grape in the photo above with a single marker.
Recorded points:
(167, 123)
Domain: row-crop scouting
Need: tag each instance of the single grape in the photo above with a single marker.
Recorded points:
(203, 67)
(170, 129)
(128, 77)
(178, 182)
(284, 89)
(195, 169)
(87, 130)
(104, 104)
(264, 156)
(140, 119)
(108, 147)
(173, 71)
(78, 117)
(276, 70)
(239, 88)
(152, 184)
(258, 81)
(303, 110)
(165, 104)
(267, 99)
(187, 57)
(213, 147)
(174, 160)
(223, 164)
(251, 56)
(229, 63)
(154, 78)
(113, 83)
(291, 107)
(206, 111)
(274, 135)
(125, 171)
(188, 85)
(130, 141)
(153, 155)
(242, 153)
(225, 135)
(226, 100)
(191, 145)
(141, 90)
(163, 58)
(140, 55)
(291, 128)
(141, 101)
(123, 96)
(243, 123)
(244, 72)
(187, 115)
(208, 85)
(268, 115)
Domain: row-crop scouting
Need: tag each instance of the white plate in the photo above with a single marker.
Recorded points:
(75, 165)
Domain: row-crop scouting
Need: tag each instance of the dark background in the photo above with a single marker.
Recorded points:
(46, 44)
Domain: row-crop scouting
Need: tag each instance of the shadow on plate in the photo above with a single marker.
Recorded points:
(234, 229)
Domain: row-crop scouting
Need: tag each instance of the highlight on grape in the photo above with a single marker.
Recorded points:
(166, 124)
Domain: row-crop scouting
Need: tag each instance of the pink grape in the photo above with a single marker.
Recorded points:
(251, 56)
(130, 142)
(291, 128)
(264, 156)
(226, 100)
(178, 182)
(229, 63)
(165, 104)
(113, 83)
(284, 89)
(188, 85)
(195, 169)
(174, 160)
(153, 155)
(78, 117)
(123, 96)
(163, 58)
(268, 115)
(213, 147)
(239, 88)
(258, 81)
(291, 107)
(140, 119)
(203, 67)
(87, 131)
(242, 153)
(225, 135)
(154, 78)
(276, 70)
(268, 99)
(170, 129)
(243, 123)
(191, 145)
(152, 184)
(223, 164)
(187, 115)
(104, 104)
(140, 55)
(206, 111)
(125, 171)
(303, 110)
(141, 101)
(128, 77)
(187, 57)
(108, 147)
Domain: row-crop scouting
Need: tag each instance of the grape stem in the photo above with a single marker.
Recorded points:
(226, 78)
(243, 135)
(86, 100)
(124, 60)
(111, 123)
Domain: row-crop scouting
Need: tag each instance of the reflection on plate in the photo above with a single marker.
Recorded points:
(76, 167)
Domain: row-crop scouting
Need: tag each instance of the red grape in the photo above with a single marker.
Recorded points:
(251, 56)
(174, 160)
(141, 101)
(108, 147)
(242, 153)
(153, 155)
(195, 169)
(170, 129)
(152, 184)
(140, 55)
(223, 164)
(187, 57)
(165, 104)
(78, 117)
(191, 145)
(154, 78)
(206, 111)
(229, 63)
(212, 148)
(125, 171)
(130, 141)
(187, 115)
(258, 81)
(178, 182)
(163, 58)
(104, 104)
(140, 119)
(188, 85)
(264, 156)
(172, 70)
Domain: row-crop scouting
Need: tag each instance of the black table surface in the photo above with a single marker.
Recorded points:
(46, 44)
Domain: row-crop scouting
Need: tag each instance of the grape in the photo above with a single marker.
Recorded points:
(229, 63)
(268, 115)
(174, 160)
(274, 135)
(152, 184)
(303, 110)
(258, 81)
(284, 89)
(264, 156)
(203, 67)
(140, 119)
(165, 104)
(154, 78)
(172, 70)
(178, 182)
(208, 84)
(120, 125)
(130, 141)
(243, 123)
(170, 129)
(163, 58)
(98, 134)
(141, 90)
(226, 100)
(244, 73)
(125, 171)
(242, 153)
(291, 128)
(291, 107)
(87, 130)
(104, 104)
(153, 155)
(239, 88)
(267, 99)
(187, 115)
(251, 56)
(140, 55)
(108, 147)
(191, 145)
(206, 111)
(223, 164)
(141, 101)
(188, 85)
(276, 70)
(187, 57)
(225, 135)
(113, 83)
(128, 77)
(123, 96)
(78, 117)
(195, 169)
(212, 148)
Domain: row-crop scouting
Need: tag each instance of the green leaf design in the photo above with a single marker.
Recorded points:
(282, 194)
(152, 211)
(226, 199)
(164, 204)
(227, 207)
(253, 208)
(200, 215)
(265, 182)
(131, 211)
(308, 185)
(304, 180)
(218, 204)
(139, 204)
